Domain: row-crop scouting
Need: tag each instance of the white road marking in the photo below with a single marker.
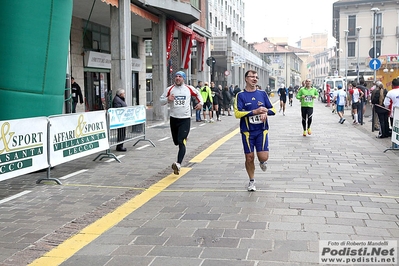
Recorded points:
(15, 196)
(73, 174)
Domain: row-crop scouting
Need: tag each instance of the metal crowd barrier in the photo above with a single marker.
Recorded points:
(395, 131)
(133, 120)
(34, 144)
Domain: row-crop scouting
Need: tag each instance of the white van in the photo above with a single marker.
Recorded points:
(334, 82)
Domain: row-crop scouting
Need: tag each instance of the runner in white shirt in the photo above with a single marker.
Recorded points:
(179, 97)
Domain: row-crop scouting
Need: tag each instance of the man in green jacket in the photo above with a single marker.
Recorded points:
(206, 94)
(307, 95)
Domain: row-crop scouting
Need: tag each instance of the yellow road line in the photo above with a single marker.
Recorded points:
(204, 154)
(70, 246)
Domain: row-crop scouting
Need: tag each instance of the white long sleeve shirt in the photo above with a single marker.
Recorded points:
(180, 107)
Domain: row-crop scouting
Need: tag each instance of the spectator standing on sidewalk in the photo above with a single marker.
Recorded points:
(307, 95)
(226, 101)
(179, 96)
(253, 107)
(377, 99)
(118, 102)
(363, 100)
(356, 95)
(77, 95)
(392, 99)
(195, 102)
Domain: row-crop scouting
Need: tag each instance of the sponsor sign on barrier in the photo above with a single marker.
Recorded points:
(126, 116)
(23, 146)
(77, 135)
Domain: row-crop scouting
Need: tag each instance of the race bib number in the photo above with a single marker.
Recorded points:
(308, 98)
(179, 101)
(290, 92)
(255, 119)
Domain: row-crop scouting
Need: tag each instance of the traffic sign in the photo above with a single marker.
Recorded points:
(375, 64)
(377, 54)
(210, 61)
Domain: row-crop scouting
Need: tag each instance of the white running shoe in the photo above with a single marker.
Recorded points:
(263, 166)
(176, 168)
(251, 186)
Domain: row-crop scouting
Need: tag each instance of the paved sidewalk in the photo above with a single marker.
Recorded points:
(336, 184)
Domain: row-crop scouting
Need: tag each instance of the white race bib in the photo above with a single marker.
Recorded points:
(308, 98)
(255, 119)
(179, 101)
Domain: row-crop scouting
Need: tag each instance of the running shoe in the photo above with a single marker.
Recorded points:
(342, 120)
(176, 168)
(263, 166)
(251, 186)
(309, 131)
(304, 133)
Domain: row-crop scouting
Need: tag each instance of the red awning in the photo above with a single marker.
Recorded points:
(111, 2)
(136, 10)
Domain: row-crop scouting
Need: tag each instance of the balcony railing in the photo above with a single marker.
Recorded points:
(379, 33)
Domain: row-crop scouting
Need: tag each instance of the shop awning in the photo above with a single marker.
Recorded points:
(136, 10)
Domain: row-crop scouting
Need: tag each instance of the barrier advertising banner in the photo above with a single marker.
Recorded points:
(77, 135)
(23, 146)
(126, 116)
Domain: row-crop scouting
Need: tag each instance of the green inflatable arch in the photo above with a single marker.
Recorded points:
(33, 57)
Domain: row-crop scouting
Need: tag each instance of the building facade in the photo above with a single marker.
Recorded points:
(286, 62)
(232, 55)
(358, 27)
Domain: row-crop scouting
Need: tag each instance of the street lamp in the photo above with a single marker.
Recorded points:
(346, 55)
(375, 10)
(336, 58)
(358, 28)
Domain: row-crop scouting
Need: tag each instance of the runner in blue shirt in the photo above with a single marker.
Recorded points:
(252, 107)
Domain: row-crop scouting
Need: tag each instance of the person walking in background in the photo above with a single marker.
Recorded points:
(377, 99)
(307, 95)
(118, 102)
(340, 100)
(215, 102)
(77, 95)
(253, 107)
(206, 94)
(179, 96)
(226, 101)
(356, 95)
(282, 93)
(392, 99)
(334, 100)
(195, 102)
(291, 92)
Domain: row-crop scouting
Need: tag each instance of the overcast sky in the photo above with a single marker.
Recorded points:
(282, 18)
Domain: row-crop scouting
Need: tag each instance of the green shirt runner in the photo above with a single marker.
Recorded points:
(308, 100)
